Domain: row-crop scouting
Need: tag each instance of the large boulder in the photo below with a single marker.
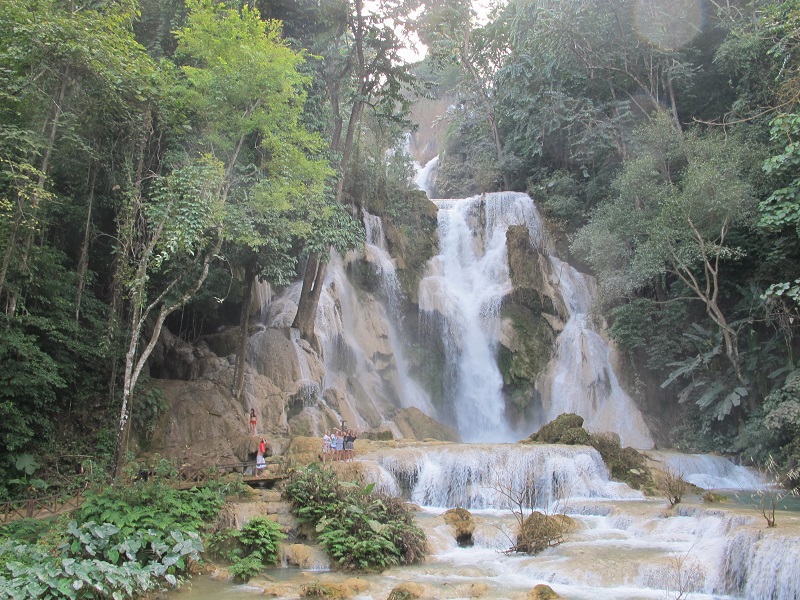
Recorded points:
(205, 424)
(540, 531)
(560, 428)
(272, 354)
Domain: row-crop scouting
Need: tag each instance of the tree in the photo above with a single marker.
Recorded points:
(675, 207)
(449, 29)
(377, 79)
(243, 97)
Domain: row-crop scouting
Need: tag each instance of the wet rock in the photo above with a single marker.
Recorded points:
(304, 556)
(542, 592)
(220, 574)
(460, 519)
(273, 355)
(540, 531)
(407, 590)
(279, 590)
(347, 589)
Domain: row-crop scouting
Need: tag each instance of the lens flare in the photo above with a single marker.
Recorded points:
(668, 24)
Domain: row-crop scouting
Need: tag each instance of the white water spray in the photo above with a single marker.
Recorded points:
(463, 291)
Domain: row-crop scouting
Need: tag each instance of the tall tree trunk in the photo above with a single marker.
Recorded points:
(244, 328)
(83, 262)
(134, 362)
(56, 112)
(313, 281)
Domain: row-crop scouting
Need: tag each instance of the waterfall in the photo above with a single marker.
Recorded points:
(760, 566)
(582, 379)
(461, 296)
(376, 254)
(709, 472)
(425, 178)
(493, 476)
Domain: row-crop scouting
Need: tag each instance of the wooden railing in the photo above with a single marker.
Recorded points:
(188, 476)
(39, 508)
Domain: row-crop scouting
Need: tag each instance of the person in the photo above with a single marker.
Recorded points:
(348, 446)
(326, 446)
(262, 446)
(261, 464)
(252, 421)
(339, 444)
(334, 445)
(353, 438)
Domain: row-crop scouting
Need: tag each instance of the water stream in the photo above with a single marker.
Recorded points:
(621, 545)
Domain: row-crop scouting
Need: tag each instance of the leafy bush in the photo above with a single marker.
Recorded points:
(250, 549)
(360, 529)
(131, 507)
(129, 540)
(95, 561)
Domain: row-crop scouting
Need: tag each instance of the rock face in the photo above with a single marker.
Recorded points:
(415, 424)
(533, 314)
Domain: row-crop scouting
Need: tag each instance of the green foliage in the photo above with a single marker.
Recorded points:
(361, 530)
(96, 561)
(129, 540)
(130, 507)
(705, 383)
(26, 466)
(250, 549)
(150, 404)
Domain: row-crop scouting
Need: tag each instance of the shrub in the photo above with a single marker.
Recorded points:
(671, 485)
(250, 549)
(360, 529)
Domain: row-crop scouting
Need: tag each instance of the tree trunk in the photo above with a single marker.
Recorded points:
(313, 281)
(83, 262)
(244, 329)
(57, 111)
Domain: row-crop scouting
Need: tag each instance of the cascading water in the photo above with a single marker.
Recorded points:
(411, 393)
(461, 296)
(708, 471)
(494, 476)
(581, 377)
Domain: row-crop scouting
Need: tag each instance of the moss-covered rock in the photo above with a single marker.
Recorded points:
(555, 431)
(540, 531)
(624, 464)
(526, 346)
(460, 519)
(411, 234)
(407, 590)
(542, 592)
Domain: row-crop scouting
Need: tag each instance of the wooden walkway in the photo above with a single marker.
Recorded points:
(188, 477)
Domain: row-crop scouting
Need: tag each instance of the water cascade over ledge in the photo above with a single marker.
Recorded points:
(461, 298)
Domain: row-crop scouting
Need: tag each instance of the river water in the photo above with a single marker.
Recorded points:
(622, 546)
